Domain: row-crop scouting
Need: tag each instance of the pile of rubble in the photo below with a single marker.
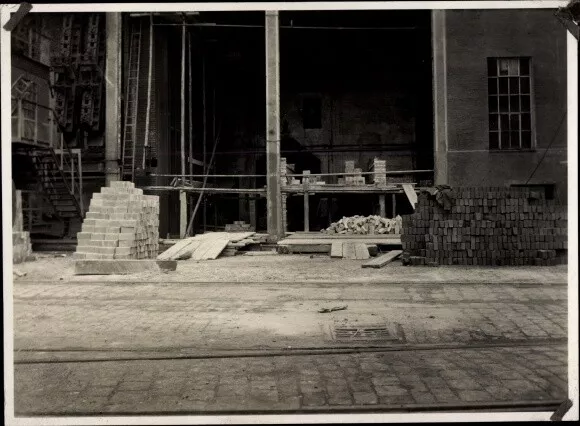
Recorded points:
(365, 225)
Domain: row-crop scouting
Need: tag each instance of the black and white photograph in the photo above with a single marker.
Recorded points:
(290, 212)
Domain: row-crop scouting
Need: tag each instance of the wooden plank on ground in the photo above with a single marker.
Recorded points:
(377, 240)
(323, 236)
(215, 249)
(260, 253)
(307, 248)
(336, 250)
(349, 251)
(187, 251)
(410, 193)
(379, 262)
(236, 237)
(174, 249)
(207, 243)
(361, 251)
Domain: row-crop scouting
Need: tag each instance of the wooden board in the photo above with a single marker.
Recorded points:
(187, 251)
(236, 237)
(217, 246)
(322, 236)
(349, 251)
(379, 262)
(210, 248)
(376, 240)
(307, 248)
(411, 194)
(336, 250)
(361, 251)
(260, 253)
(174, 249)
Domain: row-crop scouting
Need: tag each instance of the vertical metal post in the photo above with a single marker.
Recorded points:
(273, 193)
(394, 205)
(113, 97)
(81, 182)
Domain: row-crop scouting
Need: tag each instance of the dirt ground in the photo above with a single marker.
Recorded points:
(294, 268)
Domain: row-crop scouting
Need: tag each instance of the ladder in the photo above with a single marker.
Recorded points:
(131, 104)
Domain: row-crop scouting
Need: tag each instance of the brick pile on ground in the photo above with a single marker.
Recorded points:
(121, 223)
(492, 226)
(363, 225)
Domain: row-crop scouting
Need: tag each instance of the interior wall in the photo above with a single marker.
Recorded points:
(374, 87)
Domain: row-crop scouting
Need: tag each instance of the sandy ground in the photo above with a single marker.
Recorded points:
(294, 268)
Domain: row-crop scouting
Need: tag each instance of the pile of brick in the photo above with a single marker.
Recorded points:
(380, 169)
(238, 226)
(491, 226)
(365, 225)
(121, 223)
(352, 179)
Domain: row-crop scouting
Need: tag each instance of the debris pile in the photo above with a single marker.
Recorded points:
(362, 225)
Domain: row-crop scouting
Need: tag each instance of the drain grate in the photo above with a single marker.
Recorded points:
(364, 332)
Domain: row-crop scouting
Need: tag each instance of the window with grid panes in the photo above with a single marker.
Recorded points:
(510, 103)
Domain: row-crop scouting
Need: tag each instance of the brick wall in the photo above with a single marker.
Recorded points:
(504, 33)
(486, 226)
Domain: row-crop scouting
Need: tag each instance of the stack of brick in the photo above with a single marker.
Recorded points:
(492, 226)
(352, 179)
(380, 169)
(238, 226)
(121, 223)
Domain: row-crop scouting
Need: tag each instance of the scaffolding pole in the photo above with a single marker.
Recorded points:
(149, 83)
(182, 198)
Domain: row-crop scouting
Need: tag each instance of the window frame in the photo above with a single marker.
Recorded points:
(498, 113)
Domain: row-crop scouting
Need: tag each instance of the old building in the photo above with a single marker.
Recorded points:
(464, 98)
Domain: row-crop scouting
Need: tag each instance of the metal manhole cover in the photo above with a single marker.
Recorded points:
(364, 332)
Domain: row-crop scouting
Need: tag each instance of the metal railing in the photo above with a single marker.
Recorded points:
(67, 158)
(38, 125)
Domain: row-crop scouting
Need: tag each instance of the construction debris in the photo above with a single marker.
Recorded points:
(336, 308)
(383, 260)
(362, 225)
(18, 273)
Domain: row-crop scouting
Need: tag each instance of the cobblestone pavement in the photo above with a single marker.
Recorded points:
(156, 316)
(296, 383)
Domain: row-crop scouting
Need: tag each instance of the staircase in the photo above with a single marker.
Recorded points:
(60, 175)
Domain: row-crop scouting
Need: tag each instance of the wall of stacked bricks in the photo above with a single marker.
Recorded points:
(122, 223)
(493, 226)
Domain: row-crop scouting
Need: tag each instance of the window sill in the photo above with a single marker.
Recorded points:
(511, 151)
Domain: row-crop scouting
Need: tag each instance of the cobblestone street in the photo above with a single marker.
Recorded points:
(311, 383)
(178, 347)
